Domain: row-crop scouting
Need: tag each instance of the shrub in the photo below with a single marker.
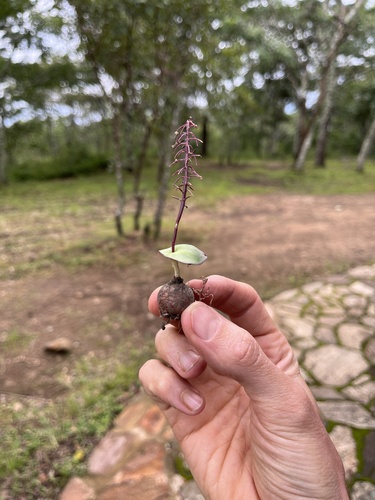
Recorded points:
(71, 164)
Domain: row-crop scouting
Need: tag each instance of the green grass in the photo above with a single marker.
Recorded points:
(264, 177)
(254, 177)
(14, 339)
(46, 442)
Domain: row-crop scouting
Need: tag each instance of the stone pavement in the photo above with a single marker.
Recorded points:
(331, 326)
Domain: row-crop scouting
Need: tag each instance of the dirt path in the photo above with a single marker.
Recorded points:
(271, 241)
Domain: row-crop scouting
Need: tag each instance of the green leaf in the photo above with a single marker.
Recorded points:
(186, 254)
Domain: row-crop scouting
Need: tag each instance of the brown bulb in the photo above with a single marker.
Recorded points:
(173, 298)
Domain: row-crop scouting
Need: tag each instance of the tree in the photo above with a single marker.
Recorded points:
(148, 59)
(9, 39)
(325, 118)
(301, 43)
(32, 70)
(366, 146)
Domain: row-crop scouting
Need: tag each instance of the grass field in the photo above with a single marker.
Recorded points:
(48, 225)
(74, 213)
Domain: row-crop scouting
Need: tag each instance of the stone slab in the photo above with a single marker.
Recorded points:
(77, 489)
(352, 335)
(347, 413)
(344, 443)
(334, 365)
(363, 490)
(110, 452)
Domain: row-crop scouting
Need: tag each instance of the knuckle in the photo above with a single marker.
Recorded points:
(246, 350)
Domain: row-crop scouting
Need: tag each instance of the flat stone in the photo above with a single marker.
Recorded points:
(176, 482)
(323, 393)
(312, 310)
(369, 456)
(363, 393)
(287, 309)
(338, 279)
(371, 310)
(153, 421)
(190, 491)
(325, 334)
(345, 445)
(60, 345)
(341, 290)
(333, 311)
(362, 379)
(312, 287)
(305, 343)
(355, 313)
(110, 452)
(369, 321)
(131, 415)
(327, 290)
(285, 296)
(301, 299)
(298, 327)
(352, 335)
(362, 490)
(348, 413)
(77, 489)
(355, 301)
(332, 321)
(150, 457)
(322, 301)
(334, 365)
(363, 272)
(362, 289)
(143, 488)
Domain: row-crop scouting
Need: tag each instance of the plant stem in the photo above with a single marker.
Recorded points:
(176, 268)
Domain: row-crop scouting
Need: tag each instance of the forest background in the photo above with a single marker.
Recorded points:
(88, 85)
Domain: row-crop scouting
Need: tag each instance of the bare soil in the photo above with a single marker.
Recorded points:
(272, 241)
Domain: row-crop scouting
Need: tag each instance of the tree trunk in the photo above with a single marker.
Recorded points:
(326, 114)
(118, 167)
(322, 141)
(205, 137)
(345, 17)
(3, 154)
(365, 147)
(305, 146)
(138, 174)
(300, 129)
(51, 137)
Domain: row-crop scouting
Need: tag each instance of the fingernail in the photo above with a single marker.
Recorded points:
(188, 359)
(191, 400)
(205, 321)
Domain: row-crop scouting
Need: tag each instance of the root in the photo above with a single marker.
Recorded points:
(203, 293)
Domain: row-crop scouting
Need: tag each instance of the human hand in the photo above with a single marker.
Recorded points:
(233, 394)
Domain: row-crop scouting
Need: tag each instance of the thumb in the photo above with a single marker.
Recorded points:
(232, 351)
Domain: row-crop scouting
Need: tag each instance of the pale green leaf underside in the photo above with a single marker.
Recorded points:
(186, 254)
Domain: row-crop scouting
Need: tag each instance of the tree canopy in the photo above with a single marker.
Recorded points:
(271, 76)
